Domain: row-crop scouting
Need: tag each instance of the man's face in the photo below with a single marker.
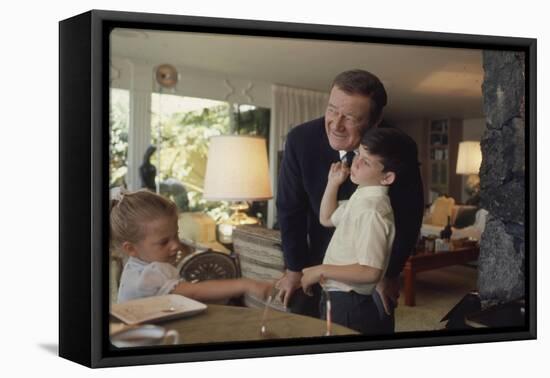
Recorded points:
(346, 119)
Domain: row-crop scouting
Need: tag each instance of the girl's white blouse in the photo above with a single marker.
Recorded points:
(140, 279)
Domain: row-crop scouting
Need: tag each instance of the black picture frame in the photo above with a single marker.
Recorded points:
(83, 197)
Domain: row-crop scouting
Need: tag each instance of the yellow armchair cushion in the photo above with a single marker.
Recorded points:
(440, 210)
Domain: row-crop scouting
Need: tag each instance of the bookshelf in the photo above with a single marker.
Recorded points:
(443, 137)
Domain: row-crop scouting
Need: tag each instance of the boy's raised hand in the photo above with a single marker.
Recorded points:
(338, 173)
(310, 277)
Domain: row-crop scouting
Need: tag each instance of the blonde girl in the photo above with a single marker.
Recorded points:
(144, 226)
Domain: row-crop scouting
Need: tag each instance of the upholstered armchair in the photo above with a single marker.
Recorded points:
(467, 221)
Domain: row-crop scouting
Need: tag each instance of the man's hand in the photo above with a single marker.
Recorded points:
(388, 288)
(287, 285)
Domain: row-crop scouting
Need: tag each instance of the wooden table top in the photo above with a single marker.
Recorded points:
(231, 323)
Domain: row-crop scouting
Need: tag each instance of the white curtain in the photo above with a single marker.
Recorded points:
(139, 135)
(289, 107)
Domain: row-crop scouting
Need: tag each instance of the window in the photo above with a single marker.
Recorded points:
(182, 127)
(119, 119)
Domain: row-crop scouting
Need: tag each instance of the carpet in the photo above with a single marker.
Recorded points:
(437, 292)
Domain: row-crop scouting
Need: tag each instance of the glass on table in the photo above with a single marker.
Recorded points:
(328, 306)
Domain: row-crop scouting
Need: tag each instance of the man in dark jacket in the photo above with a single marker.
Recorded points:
(355, 104)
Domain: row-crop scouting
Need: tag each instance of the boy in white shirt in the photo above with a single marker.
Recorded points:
(358, 253)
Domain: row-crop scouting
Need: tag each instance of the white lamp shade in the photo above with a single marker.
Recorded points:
(237, 169)
(469, 158)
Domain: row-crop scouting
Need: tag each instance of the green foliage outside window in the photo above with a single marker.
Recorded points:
(184, 147)
(118, 136)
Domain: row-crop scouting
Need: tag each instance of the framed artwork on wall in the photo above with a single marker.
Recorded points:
(140, 96)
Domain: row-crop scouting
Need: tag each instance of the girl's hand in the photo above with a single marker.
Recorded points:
(310, 277)
(338, 173)
(259, 289)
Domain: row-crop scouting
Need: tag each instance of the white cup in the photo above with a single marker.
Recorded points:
(144, 335)
(441, 245)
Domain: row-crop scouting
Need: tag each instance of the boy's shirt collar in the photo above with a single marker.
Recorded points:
(372, 191)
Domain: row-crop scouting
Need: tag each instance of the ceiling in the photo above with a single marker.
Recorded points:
(422, 82)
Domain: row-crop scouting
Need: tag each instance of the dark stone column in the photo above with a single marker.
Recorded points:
(502, 179)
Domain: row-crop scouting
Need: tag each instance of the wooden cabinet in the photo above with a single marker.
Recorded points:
(439, 158)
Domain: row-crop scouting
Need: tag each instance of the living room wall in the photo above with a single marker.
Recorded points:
(193, 82)
(472, 129)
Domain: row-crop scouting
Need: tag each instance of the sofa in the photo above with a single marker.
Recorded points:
(466, 221)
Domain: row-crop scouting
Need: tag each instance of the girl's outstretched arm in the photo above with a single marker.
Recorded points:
(214, 290)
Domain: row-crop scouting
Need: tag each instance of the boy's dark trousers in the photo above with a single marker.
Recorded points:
(358, 312)
(303, 304)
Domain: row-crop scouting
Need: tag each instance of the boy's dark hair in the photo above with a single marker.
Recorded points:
(397, 150)
(366, 84)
